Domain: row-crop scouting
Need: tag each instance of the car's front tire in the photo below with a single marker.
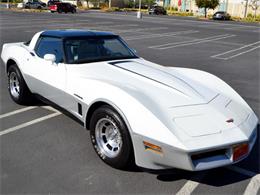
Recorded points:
(17, 87)
(110, 138)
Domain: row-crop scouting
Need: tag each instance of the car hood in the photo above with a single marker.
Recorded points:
(191, 91)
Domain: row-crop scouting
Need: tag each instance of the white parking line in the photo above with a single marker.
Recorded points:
(15, 128)
(50, 109)
(159, 35)
(190, 185)
(16, 111)
(118, 25)
(192, 42)
(218, 56)
(37, 21)
(55, 25)
(140, 30)
(254, 186)
(188, 188)
(254, 48)
(241, 27)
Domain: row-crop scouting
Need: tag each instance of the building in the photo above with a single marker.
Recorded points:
(233, 7)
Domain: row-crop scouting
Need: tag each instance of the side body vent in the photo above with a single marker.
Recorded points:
(80, 109)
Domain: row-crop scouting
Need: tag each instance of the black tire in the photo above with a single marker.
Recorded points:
(124, 158)
(22, 95)
(59, 10)
(73, 11)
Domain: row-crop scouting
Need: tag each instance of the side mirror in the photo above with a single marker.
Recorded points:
(50, 57)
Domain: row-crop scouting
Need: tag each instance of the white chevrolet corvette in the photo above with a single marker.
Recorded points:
(159, 117)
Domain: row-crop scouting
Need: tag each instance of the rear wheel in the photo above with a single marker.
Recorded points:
(110, 138)
(17, 87)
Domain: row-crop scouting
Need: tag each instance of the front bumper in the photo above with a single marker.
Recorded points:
(171, 157)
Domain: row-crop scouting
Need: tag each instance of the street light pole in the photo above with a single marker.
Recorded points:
(8, 4)
(139, 13)
(245, 14)
(109, 4)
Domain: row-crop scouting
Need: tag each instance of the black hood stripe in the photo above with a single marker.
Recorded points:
(120, 62)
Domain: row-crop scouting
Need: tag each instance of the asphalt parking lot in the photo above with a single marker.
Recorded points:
(45, 151)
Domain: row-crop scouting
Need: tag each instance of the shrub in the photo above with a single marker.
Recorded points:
(176, 13)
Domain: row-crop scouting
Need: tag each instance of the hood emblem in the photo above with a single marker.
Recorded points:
(231, 120)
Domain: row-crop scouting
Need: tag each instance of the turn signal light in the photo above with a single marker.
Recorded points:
(240, 151)
(150, 146)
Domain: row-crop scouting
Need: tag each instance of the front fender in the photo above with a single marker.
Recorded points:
(142, 123)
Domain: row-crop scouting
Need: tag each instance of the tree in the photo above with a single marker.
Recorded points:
(148, 3)
(207, 4)
(254, 4)
(129, 3)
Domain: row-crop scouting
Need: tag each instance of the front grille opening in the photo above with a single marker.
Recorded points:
(208, 154)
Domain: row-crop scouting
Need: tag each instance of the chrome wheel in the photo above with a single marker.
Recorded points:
(14, 85)
(108, 137)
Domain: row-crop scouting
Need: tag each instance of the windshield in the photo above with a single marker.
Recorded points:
(95, 49)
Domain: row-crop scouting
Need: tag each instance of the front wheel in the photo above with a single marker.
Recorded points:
(17, 87)
(110, 138)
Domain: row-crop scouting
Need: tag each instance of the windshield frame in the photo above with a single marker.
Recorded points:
(134, 56)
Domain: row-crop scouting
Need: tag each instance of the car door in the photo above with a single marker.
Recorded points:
(34, 4)
(45, 77)
(66, 7)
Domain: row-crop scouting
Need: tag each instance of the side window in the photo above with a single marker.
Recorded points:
(50, 45)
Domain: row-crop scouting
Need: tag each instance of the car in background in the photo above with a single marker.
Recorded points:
(62, 7)
(35, 4)
(53, 2)
(157, 10)
(221, 15)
